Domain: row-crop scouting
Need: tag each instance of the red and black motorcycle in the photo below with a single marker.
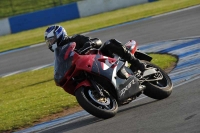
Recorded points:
(101, 84)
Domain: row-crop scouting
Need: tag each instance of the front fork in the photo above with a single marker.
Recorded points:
(88, 82)
(96, 87)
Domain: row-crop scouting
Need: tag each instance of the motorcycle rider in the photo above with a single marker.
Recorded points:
(56, 36)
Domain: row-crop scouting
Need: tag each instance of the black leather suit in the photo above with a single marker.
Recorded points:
(110, 47)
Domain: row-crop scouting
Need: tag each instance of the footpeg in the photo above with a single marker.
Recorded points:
(142, 87)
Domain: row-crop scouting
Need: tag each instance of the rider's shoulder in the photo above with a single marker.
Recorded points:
(76, 36)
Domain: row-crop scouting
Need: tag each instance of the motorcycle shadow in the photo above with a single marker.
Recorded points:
(90, 120)
(130, 106)
(74, 124)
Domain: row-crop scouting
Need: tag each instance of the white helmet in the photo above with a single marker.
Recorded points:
(54, 35)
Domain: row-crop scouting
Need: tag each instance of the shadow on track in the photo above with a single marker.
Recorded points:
(71, 125)
(75, 124)
(136, 106)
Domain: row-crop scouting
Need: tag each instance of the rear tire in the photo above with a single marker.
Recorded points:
(158, 89)
(100, 107)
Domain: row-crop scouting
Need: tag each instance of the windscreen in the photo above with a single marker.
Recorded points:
(61, 65)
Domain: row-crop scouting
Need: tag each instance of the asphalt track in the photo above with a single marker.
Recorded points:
(180, 24)
(178, 113)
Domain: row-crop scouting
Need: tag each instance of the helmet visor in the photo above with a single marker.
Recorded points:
(50, 41)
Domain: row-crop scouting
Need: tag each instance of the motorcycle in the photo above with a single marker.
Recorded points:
(101, 84)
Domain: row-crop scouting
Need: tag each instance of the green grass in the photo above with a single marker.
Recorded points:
(26, 97)
(163, 61)
(82, 25)
(16, 7)
(29, 96)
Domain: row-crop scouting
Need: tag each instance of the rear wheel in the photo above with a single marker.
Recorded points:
(158, 89)
(102, 107)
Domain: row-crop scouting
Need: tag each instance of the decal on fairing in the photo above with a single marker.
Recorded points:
(103, 67)
(69, 49)
(109, 67)
(123, 90)
(114, 77)
(107, 62)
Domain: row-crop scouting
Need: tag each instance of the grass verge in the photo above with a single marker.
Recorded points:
(27, 97)
(16, 7)
(82, 25)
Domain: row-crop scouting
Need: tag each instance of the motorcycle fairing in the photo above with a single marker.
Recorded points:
(80, 63)
(83, 83)
(107, 62)
(106, 70)
(124, 88)
(127, 88)
(69, 64)
(79, 66)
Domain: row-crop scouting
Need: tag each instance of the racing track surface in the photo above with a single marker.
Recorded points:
(178, 113)
(184, 23)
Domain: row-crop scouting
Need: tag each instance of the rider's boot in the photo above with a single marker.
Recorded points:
(134, 61)
(135, 64)
(116, 47)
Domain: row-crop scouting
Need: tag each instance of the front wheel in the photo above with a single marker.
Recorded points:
(158, 89)
(101, 107)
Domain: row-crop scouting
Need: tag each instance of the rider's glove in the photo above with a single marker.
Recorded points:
(92, 43)
(85, 47)
(96, 43)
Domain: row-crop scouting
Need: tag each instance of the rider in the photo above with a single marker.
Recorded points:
(56, 36)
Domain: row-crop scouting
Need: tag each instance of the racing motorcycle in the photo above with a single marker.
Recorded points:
(101, 84)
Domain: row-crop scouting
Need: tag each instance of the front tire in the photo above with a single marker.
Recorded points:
(101, 107)
(159, 89)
